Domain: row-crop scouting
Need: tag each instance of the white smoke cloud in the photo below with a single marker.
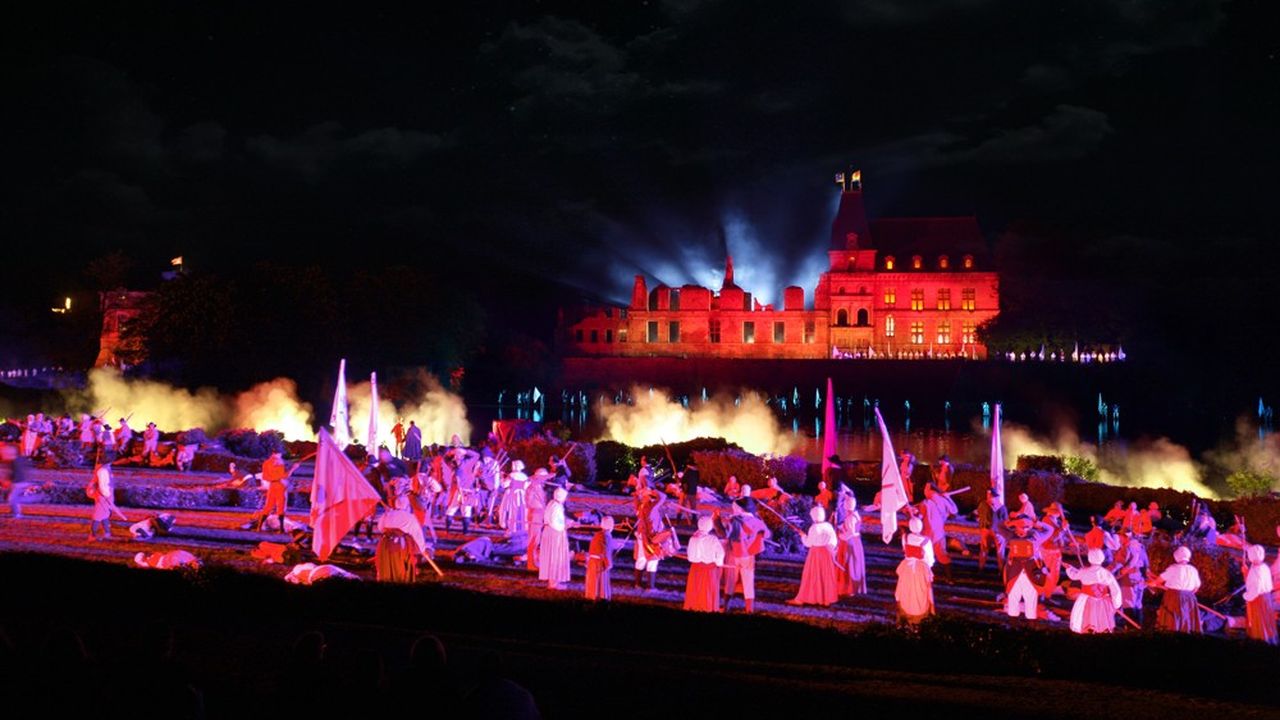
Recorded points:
(274, 405)
(656, 418)
(148, 401)
(1159, 463)
(439, 413)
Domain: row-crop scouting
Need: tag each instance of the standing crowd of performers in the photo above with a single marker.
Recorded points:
(458, 484)
(97, 439)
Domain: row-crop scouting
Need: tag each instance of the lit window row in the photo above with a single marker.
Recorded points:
(917, 262)
(968, 299)
(968, 331)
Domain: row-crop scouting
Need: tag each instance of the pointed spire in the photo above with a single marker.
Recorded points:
(728, 273)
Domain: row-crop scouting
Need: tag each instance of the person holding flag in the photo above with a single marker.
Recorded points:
(340, 497)
(893, 494)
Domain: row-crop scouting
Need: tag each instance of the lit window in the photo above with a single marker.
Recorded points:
(944, 332)
(653, 331)
(968, 262)
(779, 332)
(944, 299)
(968, 299)
(889, 326)
(916, 262)
(968, 332)
(748, 332)
(713, 330)
(944, 262)
(890, 297)
(622, 335)
(888, 263)
(673, 331)
(917, 299)
(810, 332)
(917, 332)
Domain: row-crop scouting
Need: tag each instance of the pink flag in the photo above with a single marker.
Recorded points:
(997, 458)
(893, 494)
(828, 432)
(340, 497)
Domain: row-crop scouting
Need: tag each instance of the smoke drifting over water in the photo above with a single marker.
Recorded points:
(272, 405)
(656, 417)
(1159, 463)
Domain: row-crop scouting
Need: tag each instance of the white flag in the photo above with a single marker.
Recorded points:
(372, 447)
(997, 458)
(893, 494)
(340, 417)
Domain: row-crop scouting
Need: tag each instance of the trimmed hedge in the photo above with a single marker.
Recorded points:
(536, 450)
(715, 467)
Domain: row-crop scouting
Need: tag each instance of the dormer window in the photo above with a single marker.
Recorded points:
(888, 262)
(916, 262)
(943, 262)
(968, 262)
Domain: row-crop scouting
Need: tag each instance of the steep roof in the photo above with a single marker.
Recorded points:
(850, 218)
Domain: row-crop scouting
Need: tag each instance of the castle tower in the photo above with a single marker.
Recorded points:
(850, 230)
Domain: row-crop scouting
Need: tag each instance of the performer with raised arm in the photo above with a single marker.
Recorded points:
(818, 579)
(935, 510)
(706, 557)
(1099, 599)
(914, 591)
(654, 537)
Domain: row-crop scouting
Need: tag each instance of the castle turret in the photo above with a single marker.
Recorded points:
(639, 294)
(728, 273)
(850, 230)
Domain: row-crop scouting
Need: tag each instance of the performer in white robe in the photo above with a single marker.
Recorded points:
(553, 564)
(1179, 611)
(1260, 612)
(851, 572)
(1099, 598)
(914, 592)
(818, 579)
(706, 557)
(511, 511)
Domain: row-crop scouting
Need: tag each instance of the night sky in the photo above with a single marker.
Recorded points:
(577, 144)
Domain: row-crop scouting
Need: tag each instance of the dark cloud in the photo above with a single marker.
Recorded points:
(321, 149)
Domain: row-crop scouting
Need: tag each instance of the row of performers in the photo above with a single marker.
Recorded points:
(721, 553)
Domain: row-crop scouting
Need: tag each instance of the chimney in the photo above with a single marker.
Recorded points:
(639, 294)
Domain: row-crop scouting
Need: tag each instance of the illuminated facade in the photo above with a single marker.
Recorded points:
(895, 288)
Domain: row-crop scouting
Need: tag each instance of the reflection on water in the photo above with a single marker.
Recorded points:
(965, 438)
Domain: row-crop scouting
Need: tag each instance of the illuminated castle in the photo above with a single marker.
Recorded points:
(895, 288)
